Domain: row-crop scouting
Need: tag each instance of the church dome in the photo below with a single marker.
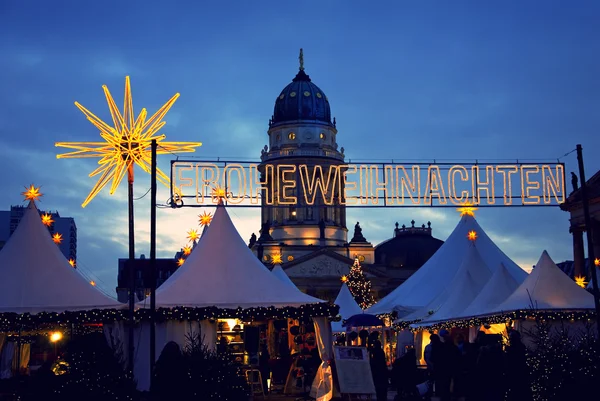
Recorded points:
(301, 100)
(410, 248)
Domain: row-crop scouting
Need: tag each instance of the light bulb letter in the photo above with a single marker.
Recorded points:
(507, 171)
(236, 179)
(350, 186)
(408, 185)
(463, 174)
(261, 183)
(287, 186)
(529, 185)
(435, 186)
(554, 183)
(486, 185)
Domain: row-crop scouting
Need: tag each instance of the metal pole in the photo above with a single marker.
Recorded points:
(588, 231)
(131, 263)
(153, 261)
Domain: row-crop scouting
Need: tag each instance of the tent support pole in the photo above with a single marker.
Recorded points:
(131, 263)
(153, 261)
(588, 231)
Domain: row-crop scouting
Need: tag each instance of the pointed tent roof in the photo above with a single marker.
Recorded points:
(38, 278)
(497, 289)
(280, 274)
(432, 278)
(468, 282)
(549, 289)
(223, 272)
(348, 308)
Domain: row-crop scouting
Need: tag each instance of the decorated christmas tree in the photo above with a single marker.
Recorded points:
(359, 286)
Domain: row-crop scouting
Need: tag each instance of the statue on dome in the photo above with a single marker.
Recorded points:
(252, 240)
(265, 232)
(574, 181)
(301, 59)
(358, 236)
(322, 229)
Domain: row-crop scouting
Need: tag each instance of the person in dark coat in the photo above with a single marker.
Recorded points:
(405, 375)
(170, 374)
(263, 366)
(445, 362)
(517, 373)
(379, 370)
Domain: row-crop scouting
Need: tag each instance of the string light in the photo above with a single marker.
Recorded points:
(47, 219)
(93, 283)
(359, 286)
(126, 143)
(32, 193)
(193, 235)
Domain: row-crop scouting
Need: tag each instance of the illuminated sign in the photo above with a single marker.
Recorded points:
(246, 184)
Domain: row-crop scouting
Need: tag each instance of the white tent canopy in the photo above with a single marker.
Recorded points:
(470, 279)
(36, 276)
(546, 288)
(348, 308)
(280, 274)
(432, 278)
(223, 272)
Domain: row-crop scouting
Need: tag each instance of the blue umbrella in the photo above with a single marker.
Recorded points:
(363, 320)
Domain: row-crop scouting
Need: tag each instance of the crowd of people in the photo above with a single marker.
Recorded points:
(457, 369)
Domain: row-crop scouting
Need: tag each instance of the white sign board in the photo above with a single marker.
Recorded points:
(353, 370)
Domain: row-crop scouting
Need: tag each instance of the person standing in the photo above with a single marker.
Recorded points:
(379, 370)
(445, 362)
(517, 373)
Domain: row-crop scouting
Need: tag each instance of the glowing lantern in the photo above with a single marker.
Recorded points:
(32, 193)
(205, 218)
(580, 281)
(472, 235)
(193, 235)
(187, 250)
(57, 238)
(126, 143)
(56, 336)
(47, 219)
(72, 262)
(467, 209)
(344, 279)
(180, 262)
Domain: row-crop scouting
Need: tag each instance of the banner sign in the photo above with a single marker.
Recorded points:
(197, 183)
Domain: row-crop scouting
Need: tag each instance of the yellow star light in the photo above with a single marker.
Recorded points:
(93, 283)
(277, 258)
(47, 219)
(193, 235)
(57, 238)
(32, 193)
(205, 218)
(472, 235)
(219, 194)
(180, 262)
(580, 281)
(596, 262)
(467, 209)
(344, 279)
(125, 144)
(187, 250)
(72, 262)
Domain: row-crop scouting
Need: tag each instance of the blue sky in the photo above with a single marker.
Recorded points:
(406, 80)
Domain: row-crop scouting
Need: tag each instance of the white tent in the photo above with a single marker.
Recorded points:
(280, 274)
(470, 279)
(546, 288)
(433, 277)
(36, 276)
(348, 308)
(223, 272)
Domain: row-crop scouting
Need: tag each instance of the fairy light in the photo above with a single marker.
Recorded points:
(56, 336)
(205, 218)
(597, 262)
(472, 235)
(187, 250)
(581, 281)
(180, 262)
(359, 285)
(47, 219)
(126, 143)
(344, 279)
(193, 235)
(32, 193)
(93, 283)
(57, 238)
(277, 258)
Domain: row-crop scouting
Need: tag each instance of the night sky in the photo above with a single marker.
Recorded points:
(405, 80)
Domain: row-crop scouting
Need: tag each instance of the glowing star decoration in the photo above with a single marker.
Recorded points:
(467, 209)
(472, 235)
(57, 238)
(344, 279)
(596, 262)
(187, 250)
(219, 194)
(126, 143)
(180, 262)
(47, 219)
(580, 281)
(277, 259)
(32, 193)
(192, 235)
(93, 283)
(72, 262)
(205, 218)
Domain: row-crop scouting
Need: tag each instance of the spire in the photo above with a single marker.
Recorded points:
(301, 59)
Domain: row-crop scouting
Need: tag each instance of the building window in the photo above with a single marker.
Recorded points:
(290, 258)
(322, 136)
(293, 214)
(292, 136)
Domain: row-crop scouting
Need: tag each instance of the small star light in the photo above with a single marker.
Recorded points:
(57, 238)
(93, 283)
(472, 235)
(580, 281)
(467, 209)
(219, 194)
(344, 279)
(72, 262)
(124, 143)
(32, 193)
(180, 262)
(187, 250)
(277, 258)
(47, 219)
(193, 235)
(596, 262)
(205, 218)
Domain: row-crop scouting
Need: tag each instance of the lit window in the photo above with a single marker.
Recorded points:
(290, 258)
(361, 258)
(292, 136)
(322, 136)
